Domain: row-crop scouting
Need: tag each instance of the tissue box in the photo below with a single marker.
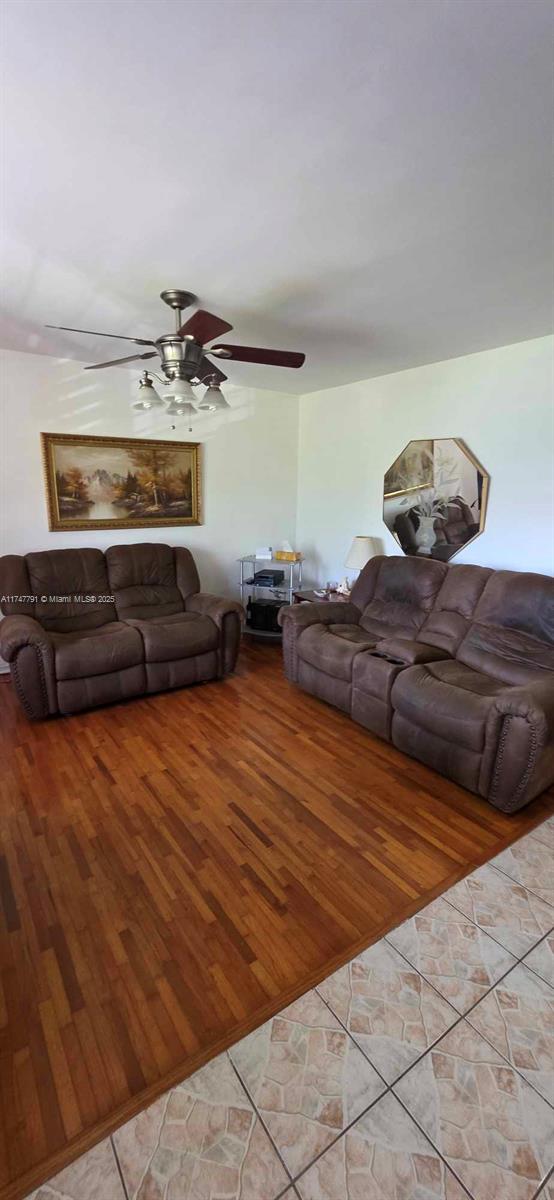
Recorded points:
(287, 556)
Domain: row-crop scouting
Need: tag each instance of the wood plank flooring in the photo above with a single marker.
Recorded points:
(176, 869)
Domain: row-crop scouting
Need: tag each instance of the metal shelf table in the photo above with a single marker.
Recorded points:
(284, 591)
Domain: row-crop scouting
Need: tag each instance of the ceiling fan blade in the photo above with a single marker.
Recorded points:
(121, 336)
(209, 368)
(204, 326)
(115, 361)
(254, 354)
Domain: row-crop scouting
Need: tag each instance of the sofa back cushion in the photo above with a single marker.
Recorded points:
(458, 526)
(71, 589)
(512, 634)
(143, 580)
(15, 586)
(452, 612)
(404, 592)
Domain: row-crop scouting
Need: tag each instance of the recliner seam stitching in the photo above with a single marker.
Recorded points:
(500, 758)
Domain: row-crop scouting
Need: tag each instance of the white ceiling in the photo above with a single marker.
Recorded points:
(365, 180)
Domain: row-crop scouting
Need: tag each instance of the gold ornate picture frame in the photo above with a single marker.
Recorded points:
(120, 483)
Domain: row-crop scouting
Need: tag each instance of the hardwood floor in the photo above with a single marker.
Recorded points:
(176, 869)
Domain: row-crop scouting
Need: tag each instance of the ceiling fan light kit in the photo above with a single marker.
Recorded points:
(179, 389)
(149, 397)
(213, 399)
(184, 359)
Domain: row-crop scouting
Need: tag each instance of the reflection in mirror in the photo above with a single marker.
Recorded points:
(434, 497)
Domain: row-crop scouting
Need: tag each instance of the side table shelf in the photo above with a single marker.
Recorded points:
(271, 597)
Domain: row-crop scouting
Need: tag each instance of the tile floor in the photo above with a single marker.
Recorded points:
(422, 1070)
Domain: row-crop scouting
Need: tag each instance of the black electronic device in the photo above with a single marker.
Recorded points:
(267, 578)
(262, 615)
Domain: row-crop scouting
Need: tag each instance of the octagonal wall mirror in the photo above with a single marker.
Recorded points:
(435, 497)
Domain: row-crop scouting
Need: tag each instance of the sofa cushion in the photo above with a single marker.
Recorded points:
(79, 575)
(330, 652)
(452, 612)
(404, 593)
(181, 635)
(512, 634)
(447, 699)
(88, 652)
(143, 579)
(352, 633)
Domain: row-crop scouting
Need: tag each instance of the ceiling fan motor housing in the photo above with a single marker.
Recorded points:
(180, 356)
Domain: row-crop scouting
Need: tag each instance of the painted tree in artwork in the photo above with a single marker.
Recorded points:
(152, 463)
(128, 489)
(180, 485)
(76, 484)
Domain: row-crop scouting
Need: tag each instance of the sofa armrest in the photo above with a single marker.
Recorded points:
(533, 702)
(18, 631)
(26, 646)
(295, 618)
(410, 653)
(520, 733)
(228, 615)
(324, 612)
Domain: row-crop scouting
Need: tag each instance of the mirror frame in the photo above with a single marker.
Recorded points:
(459, 442)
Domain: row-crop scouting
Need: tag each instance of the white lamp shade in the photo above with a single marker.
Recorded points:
(361, 550)
(179, 390)
(181, 408)
(149, 397)
(212, 399)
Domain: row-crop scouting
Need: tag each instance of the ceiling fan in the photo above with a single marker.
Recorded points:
(184, 358)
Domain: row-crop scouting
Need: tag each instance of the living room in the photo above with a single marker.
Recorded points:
(277, 600)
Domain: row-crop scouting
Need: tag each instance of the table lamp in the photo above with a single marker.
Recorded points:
(362, 549)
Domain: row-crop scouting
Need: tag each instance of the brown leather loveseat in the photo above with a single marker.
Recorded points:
(453, 664)
(83, 628)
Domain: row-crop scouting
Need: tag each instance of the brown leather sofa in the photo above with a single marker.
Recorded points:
(83, 628)
(453, 664)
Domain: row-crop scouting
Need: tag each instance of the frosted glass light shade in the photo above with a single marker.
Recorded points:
(213, 399)
(181, 409)
(179, 390)
(152, 398)
(148, 396)
(361, 550)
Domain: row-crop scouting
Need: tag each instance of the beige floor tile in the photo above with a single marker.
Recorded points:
(541, 960)
(199, 1141)
(545, 832)
(383, 1157)
(512, 915)
(531, 863)
(392, 1013)
(547, 1192)
(494, 1130)
(517, 1017)
(307, 1078)
(459, 959)
(94, 1176)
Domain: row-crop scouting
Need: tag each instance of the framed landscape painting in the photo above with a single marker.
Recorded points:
(114, 483)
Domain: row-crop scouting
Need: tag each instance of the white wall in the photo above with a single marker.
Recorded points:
(500, 402)
(250, 462)
(312, 476)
